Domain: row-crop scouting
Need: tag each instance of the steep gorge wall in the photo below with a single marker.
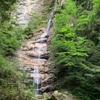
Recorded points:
(28, 53)
(25, 9)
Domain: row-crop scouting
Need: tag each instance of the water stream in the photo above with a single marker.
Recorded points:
(47, 31)
(37, 78)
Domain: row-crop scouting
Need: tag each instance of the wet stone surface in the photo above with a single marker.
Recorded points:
(32, 56)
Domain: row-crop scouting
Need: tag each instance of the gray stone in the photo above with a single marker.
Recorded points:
(24, 10)
(23, 22)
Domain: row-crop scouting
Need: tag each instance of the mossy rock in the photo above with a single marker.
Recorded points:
(45, 96)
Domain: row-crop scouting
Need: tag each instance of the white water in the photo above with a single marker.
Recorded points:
(37, 78)
(47, 31)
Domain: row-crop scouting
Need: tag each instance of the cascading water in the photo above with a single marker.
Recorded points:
(49, 22)
(47, 30)
(37, 78)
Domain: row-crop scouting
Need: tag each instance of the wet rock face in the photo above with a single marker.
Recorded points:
(24, 10)
(28, 59)
(59, 96)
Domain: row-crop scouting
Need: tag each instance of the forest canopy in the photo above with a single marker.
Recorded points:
(75, 47)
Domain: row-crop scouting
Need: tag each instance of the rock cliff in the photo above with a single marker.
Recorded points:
(25, 9)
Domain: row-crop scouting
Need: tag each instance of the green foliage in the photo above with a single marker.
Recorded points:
(75, 48)
(69, 47)
(5, 8)
(34, 24)
(11, 87)
(10, 38)
(96, 6)
(11, 80)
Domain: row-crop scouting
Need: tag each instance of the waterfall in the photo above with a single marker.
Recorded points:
(37, 78)
(50, 21)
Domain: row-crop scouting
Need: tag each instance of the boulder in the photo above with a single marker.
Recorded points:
(57, 96)
(24, 48)
(47, 80)
(42, 40)
(47, 88)
(38, 54)
(62, 96)
(44, 35)
(23, 22)
(45, 96)
(44, 70)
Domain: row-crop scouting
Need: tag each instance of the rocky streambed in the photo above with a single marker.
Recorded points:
(28, 60)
